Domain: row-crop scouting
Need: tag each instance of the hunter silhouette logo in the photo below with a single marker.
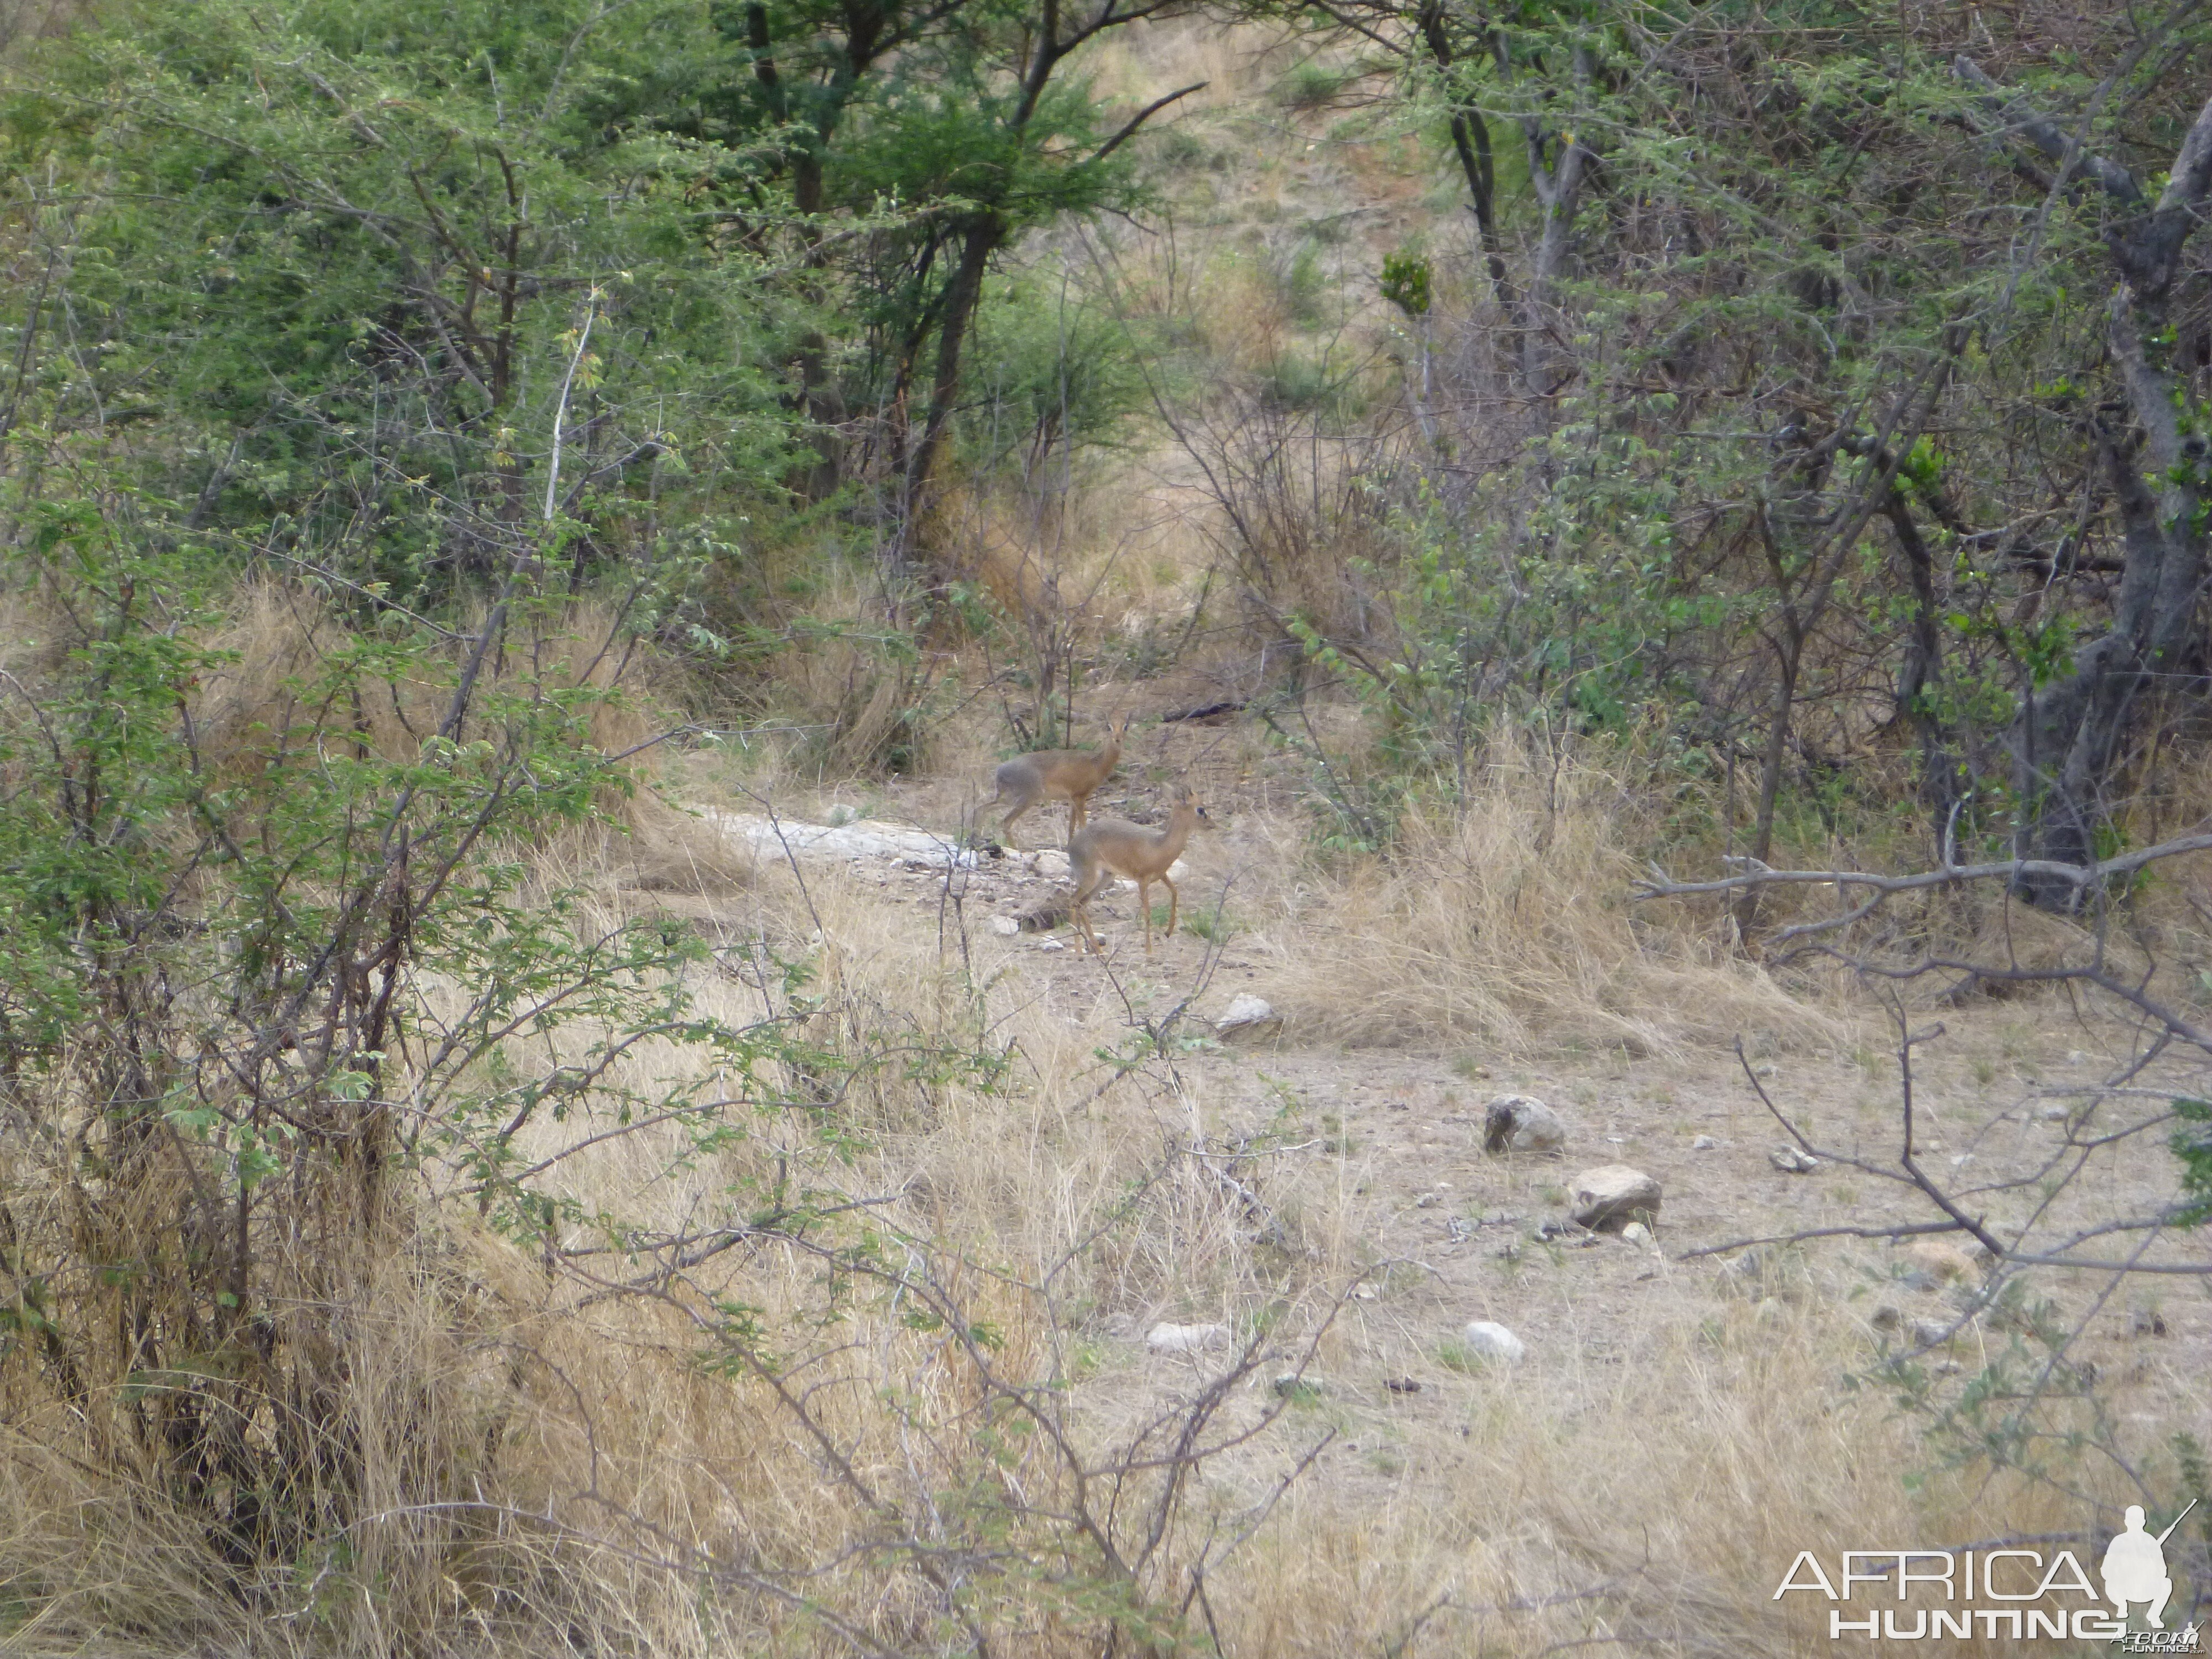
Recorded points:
(2134, 1566)
(2004, 1592)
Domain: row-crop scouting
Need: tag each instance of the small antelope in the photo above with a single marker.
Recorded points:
(1110, 845)
(1068, 774)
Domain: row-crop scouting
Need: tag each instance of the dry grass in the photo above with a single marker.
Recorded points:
(1640, 1482)
(1511, 922)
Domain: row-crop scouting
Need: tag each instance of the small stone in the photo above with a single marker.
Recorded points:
(1052, 944)
(1650, 1270)
(2056, 1114)
(1006, 926)
(1612, 1195)
(1363, 1292)
(1704, 1144)
(1791, 1160)
(2145, 1322)
(1185, 1339)
(1885, 1318)
(1522, 1123)
(1401, 1385)
(1927, 1333)
(1291, 1385)
(1509, 1251)
(1494, 1341)
(1637, 1234)
(1426, 1201)
(1247, 1016)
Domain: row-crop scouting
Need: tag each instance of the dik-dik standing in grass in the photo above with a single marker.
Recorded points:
(1110, 847)
(1068, 774)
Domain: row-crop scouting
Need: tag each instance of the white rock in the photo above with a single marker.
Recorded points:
(1052, 944)
(1704, 1144)
(1790, 1161)
(1186, 1338)
(1006, 926)
(769, 837)
(1247, 1015)
(1049, 861)
(1612, 1195)
(1522, 1123)
(1494, 1341)
(1637, 1234)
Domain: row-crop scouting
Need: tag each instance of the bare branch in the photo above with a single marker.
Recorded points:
(1752, 874)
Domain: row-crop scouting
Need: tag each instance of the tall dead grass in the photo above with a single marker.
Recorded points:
(619, 1486)
(1508, 921)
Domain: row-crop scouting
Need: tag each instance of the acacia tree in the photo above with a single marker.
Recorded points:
(1823, 425)
(916, 142)
(2068, 738)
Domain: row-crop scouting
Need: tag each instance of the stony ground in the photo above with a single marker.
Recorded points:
(1449, 1233)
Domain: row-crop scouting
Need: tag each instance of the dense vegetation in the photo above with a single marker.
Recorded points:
(1814, 406)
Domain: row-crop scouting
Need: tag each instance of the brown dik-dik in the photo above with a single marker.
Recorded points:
(1068, 774)
(1110, 847)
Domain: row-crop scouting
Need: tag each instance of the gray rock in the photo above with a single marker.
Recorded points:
(1704, 1144)
(1522, 1123)
(1927, 1333)
(1791, 1160)
(1247, 1016)
(1291, 1385)
(1885, 1318)
(1186, 1338)
(1637, 1234)
(1612, 1195)
(1006, 926)
(1493, 1341)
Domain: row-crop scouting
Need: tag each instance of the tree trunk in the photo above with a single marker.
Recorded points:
(1470, 136)
(1558, 194)
(2067, 741)
(963, 294)
(1942, 781)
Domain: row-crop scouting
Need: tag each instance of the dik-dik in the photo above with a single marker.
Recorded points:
(1068, 774)
(1110, 847)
